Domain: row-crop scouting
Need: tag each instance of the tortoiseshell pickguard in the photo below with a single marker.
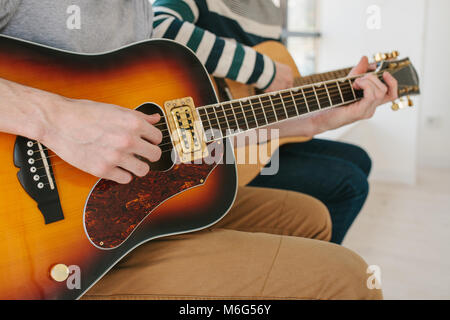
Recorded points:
(113, 211)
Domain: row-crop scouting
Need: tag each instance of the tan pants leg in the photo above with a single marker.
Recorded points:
(264, 256)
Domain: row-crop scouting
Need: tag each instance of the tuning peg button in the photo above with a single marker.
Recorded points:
(380, 57)
(395, 106)
(410, 102)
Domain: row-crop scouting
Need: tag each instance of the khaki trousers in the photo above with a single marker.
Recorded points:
(271, 245)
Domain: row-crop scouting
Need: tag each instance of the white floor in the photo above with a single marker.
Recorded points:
(405, 230)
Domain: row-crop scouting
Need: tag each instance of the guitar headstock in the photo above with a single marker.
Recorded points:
(405, 74)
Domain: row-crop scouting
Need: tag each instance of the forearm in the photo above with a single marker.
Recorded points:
(24, 111)
(222, 57)
(98, 138)
(303, 127)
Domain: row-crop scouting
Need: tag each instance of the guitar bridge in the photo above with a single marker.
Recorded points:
(37, 179)
(186, 129)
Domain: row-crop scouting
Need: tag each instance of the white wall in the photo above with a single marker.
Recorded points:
(434, 133)
(391, 138)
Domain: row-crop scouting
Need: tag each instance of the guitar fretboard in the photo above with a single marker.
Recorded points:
(319, 77)
(233, 117)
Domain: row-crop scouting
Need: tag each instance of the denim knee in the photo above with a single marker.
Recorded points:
(357, 184)
(363, 160)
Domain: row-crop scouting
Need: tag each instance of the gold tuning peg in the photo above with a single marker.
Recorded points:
(380, 57)
(410, 102)
(394, 54)
(395, 106)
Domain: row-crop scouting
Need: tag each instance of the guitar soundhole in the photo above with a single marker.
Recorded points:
(166, 160)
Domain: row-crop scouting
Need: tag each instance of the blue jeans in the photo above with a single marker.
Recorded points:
(333, 172)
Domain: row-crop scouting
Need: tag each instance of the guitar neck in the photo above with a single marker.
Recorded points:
(233, 117)
(318, 77)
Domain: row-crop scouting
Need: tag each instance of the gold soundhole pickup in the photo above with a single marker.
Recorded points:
(186, 129)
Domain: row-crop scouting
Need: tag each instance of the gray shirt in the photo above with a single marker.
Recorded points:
(88, 26)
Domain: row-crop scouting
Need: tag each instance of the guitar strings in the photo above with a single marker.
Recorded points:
(300, 91)
(276, 98)
(163, 150)
(335, 88)
(275, 102)
(335, 83)
(276, 106)
(285, 107)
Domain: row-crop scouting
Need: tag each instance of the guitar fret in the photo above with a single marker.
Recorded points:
(317, 98)
(225, 116)
(220, 120)
(273, 107)
(289, 104)
(351, 86)
(340, 91)
(243, 113)
(264, 112)
(306, 100)
(324, 98)
(333, 94)
(284, 106)
(249, 114)
(241, 121)
(203, 118)
(254, 114)
(261, 110)
(328, 94)
(311, 99)
(346, 91)
(217, 119)
(237, 122)
(229, 110)
(281, 114)
(268, 109)
(210, 129)
(300, 100)
(293, 99)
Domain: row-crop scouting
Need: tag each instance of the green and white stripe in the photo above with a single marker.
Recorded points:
(222, 56)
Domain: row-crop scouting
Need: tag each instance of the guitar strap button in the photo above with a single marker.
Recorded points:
(59, 272)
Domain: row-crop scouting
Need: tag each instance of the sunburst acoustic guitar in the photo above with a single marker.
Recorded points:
(59, 224)
(229, 90)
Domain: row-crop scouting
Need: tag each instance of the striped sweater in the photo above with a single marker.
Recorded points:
(221, 33)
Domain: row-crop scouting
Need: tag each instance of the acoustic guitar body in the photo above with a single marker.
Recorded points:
(79, 224)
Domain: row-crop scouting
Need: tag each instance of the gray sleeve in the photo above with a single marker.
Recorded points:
(7, 10)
